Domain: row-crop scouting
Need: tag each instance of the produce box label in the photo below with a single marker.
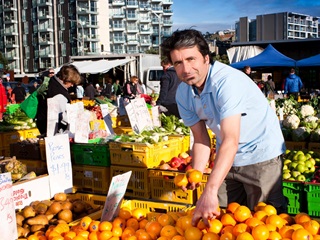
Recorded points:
(59, 164)
(25, 192)
(8, 226)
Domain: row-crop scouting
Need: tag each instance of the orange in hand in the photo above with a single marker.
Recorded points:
(181, 180)
(194, 176)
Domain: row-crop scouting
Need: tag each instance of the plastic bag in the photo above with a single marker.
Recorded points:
(30, 105)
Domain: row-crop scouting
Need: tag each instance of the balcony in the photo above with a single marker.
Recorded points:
(144, 7)
(145, 30)
(9, 6)
(145, 20)
(118, 3)
(40, 3)
(132, 4)
(132, 42)
(132, 29)
(167, 23)
(145, 42)
(167, 2)
(118, 15)
(12, 55)
(118, 27)
(11, 44)
(10, 19)
(119, 40)
(167, 12)
(132, 17)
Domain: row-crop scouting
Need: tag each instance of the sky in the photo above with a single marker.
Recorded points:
(214, 15)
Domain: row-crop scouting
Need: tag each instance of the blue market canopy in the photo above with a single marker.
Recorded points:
(309, 62)
(270, 57)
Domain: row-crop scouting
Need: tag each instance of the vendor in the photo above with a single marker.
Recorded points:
(57, 89)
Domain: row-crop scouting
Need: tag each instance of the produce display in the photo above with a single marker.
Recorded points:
(235, 222)
(17, 169)
(17, 120)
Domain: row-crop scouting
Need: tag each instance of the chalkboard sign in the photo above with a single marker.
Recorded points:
(8, 226)
(59, 164)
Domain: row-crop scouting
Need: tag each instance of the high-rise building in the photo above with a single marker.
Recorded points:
(277, 26)
(38, 34)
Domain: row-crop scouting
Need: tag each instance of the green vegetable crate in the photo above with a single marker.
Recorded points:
(293, 191)
(312, 191)
(91, 154)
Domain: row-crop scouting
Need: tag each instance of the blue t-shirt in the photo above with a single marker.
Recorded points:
(228, 92)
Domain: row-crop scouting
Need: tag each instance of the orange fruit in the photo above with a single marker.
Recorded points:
(132, 222)
(93, 235)
(261, 215)
(53, 234)
(227, 219)
(184, 222)
(143, 223)
(301, 234)
(289, 220)
(168, 231)
(240, 228)
(260, 232)
(94, 226)
(128, 232)
(139, 214)
(117, 231)
(269, 209)
(232, 207)
(33, 237)
(114, 238)
(311, 226)
(125, 213)
(252, 222)
(194, 176)
(274, 235)
(286, 231)
(201, 225)
(84, 234)
(193, 233)
(119, 222)
(153, 227)
(178, 237)
(227, 236)
(180, 231)
(70, 235)
(105, 235)
(165, 219)
(259, 206)
(181, 180)
(105, 226)
(79, 238)
(275, 220)
(215, 226)
(245, 236)
(296, 226)
(242, 213)
(226, 229)
(85, 222)
(210, 236)
(301, 217)
(271, 227)
(316, 237)
(131, 238)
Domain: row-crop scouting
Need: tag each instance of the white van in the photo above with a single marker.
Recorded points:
(152, 79)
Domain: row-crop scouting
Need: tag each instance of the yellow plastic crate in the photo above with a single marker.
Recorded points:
(91, 178)
(141, 154)
(123, 130)
(97, 125)
(184, 142)
(138, 185)
(120, 121)
(31, 133)
(202, 186)
(163, 187)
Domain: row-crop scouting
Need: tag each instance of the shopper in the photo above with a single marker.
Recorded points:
(116, 88)
(293, 84)
(169, 83)
(90, 91)
(58, 90)
(130, 90)
(248, 167)
(33, 87)
(19, 93)
(80, 91)
(107, 91)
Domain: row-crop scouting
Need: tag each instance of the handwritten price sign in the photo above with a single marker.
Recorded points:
(8, 226)
(59, 164)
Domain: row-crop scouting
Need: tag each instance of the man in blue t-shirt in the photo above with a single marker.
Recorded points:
(248, 167)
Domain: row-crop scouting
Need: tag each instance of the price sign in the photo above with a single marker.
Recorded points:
(107, 118)
(59, 164)
(118, 187)
(83, 127)
(156, 116)
(8, 226)
(139, 115)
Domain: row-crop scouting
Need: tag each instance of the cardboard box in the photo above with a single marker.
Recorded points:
(25, 192)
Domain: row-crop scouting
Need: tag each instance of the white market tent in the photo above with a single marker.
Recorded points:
(99, 66)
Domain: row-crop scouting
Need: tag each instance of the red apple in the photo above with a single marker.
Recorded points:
(175, 162)
(188, 167)
(188, 159)
(182, 167)
(211, 164)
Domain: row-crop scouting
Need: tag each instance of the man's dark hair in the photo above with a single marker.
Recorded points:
(185, 39)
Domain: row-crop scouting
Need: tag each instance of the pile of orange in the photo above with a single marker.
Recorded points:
(236, 222)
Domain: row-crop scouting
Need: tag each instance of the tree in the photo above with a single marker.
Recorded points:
(152, 51)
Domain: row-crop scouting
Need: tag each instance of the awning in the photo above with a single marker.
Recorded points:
(309, 62)
(100, 66)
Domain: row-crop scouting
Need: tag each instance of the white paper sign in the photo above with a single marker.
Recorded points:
(107, 118)
(118, 187)
(82, 127)
(73, 112)
(139, 115)
(59, 164)
(8, 226)
(53, 113)
(156, 116)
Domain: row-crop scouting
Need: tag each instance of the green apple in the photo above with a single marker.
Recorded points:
(301, 162)
(293, 165)
(286, 176)
(285, 167)
(287, 151)
(286, 171)
(302, 158)
(295, 174)
(308, 156)
(301, 178)
(300, 168)
(292, 179)
(308, 164)
(287, 161)
(312, 160)
(312, 169)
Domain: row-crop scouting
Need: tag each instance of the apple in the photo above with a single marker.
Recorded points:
(188, 159)
(211, 164)
(175, 162)
(301, 178)
(182, 167)
(188, 167)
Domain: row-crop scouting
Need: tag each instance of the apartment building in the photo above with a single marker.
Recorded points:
(38, 34)
(277, 26)
(139, 25)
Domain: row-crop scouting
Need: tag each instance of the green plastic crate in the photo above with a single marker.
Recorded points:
(294, 191)
(91, 154)
(313, 198)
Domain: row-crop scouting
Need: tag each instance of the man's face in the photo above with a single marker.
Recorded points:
(190, 65)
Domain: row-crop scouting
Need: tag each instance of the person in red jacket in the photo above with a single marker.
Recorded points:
(3, 99)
